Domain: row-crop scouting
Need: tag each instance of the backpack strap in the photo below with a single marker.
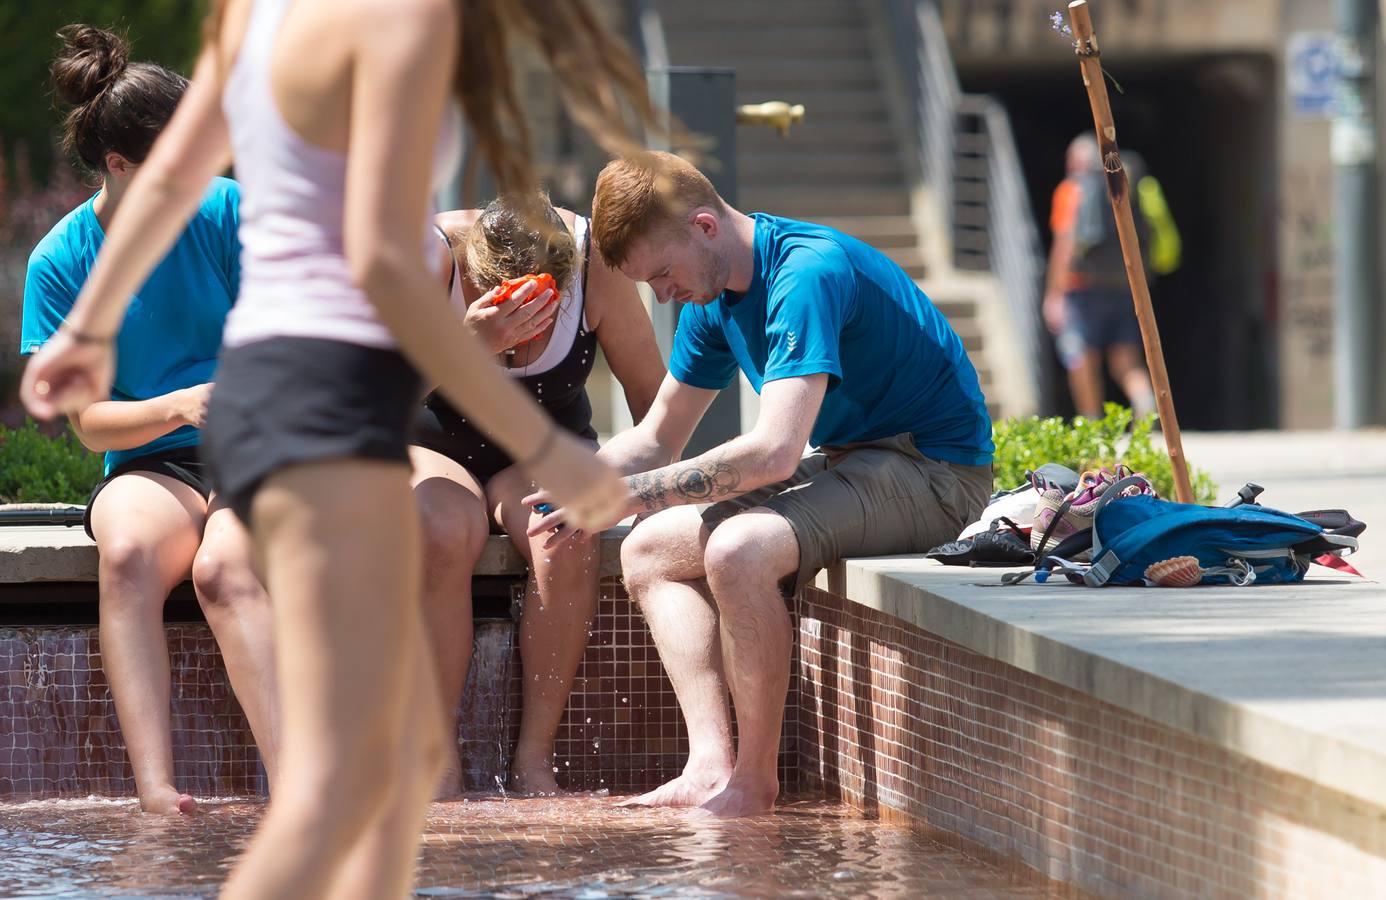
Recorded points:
(1104, 564)
(1053, 523)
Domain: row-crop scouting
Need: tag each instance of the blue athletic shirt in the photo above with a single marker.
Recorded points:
(821, 301)
(172, 332)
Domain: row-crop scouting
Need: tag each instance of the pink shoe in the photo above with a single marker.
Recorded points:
(1058, 517)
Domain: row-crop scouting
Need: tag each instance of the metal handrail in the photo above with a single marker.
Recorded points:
(1012, 237)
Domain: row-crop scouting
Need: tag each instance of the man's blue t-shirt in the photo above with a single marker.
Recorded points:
(172, 331)
(821, 301)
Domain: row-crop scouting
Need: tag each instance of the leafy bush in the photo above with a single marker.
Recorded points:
(1079, 443)
(37, 468)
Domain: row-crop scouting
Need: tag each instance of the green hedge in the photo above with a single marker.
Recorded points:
(1026, 444)
(37, 468)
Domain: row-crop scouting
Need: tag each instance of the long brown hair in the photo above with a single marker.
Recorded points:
(600, 82)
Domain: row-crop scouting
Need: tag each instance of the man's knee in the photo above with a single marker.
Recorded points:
(750, 552)
(645, 554)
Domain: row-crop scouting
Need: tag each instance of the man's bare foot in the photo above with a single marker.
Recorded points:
(167, 801)
(533, 780)
(742, 797)
(689, 789)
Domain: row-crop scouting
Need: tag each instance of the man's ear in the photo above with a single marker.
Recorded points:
(706, 222)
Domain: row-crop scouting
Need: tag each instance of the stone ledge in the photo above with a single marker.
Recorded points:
(1290, 676)
(58, 553)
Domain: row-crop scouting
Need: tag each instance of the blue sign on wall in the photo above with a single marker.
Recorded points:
(1311, 74)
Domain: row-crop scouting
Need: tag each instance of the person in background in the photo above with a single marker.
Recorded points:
(152, 515)
(466, 484)
(1087, 298)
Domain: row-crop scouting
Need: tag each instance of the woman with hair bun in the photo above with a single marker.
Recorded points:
(152, 515)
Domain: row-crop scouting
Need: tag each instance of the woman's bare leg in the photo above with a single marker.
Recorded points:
(338, 542)
(147, 529)
(382, 862)
(454, 536)
(239, 613)
(560, 604)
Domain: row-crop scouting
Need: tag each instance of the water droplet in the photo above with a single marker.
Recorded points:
(624, 700)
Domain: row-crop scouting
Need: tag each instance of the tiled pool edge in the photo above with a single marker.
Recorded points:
(621, 731)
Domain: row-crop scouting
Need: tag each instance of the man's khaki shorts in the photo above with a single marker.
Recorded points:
(872, 498)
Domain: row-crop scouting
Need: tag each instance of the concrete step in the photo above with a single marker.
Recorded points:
(712, 44)
(820, 136)
(826, 104)
(814, 203)
(758, 13)
(953, 308)
(763, 74)
(878, 231)
(907, 258)
(970, 331)
(795, 163)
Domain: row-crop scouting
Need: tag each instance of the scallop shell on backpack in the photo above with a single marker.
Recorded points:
(1181, 571)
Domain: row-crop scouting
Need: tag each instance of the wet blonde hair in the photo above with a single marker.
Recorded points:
(514, 237)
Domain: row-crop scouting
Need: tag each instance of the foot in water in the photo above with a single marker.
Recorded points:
(533, 779)
(689, 789)
(167, 801)
(742, 797)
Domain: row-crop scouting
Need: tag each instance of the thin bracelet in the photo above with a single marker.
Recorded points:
(82, 337)
(544, 447)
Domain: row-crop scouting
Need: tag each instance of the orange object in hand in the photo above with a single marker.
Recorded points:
(543, 281)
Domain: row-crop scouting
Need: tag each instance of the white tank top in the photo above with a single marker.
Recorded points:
(295, 281)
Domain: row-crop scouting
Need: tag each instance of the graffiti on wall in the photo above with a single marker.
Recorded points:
(1307, 261)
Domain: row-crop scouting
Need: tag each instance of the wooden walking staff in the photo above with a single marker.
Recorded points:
(1119, 188)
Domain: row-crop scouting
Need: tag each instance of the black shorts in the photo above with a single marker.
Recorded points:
(289, 400)
(441, 428)
(181, 464)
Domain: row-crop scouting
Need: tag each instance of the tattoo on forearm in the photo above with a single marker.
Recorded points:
(691, 482)
(649, 487)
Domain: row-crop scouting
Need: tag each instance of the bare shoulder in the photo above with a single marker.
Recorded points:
(383, 25)
(607, 290)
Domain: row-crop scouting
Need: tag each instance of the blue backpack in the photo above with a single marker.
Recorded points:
(1239, 545)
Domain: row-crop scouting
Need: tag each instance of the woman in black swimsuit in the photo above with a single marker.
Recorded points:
(466, 484)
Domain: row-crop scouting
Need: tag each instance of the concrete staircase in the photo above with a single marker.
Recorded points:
(844, 165)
